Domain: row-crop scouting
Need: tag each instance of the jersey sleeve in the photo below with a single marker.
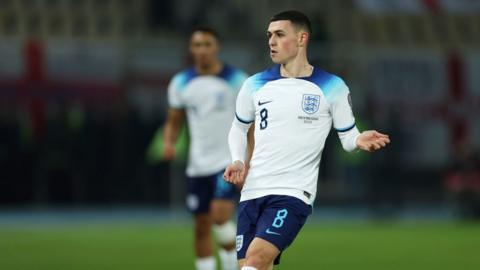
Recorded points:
(341, 110)
(174, 93)
(245, 109)
(244, 117)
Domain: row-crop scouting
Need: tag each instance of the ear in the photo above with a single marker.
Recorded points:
(303, 38)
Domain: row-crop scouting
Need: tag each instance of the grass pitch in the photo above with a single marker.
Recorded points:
(318, 246)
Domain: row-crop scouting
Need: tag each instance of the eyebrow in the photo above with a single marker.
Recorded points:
(276, 31)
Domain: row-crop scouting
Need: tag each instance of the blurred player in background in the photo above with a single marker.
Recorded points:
(294, 106)
(205, 95)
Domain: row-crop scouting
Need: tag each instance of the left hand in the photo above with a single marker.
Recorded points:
(371, 140)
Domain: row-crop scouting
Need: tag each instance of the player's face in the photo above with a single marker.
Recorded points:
(283, 40)
(204, 48)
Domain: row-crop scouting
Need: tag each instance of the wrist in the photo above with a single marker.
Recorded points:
(355, 140)
(239, 162)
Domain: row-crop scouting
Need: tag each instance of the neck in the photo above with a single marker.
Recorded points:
(297, 67)
(212, 69)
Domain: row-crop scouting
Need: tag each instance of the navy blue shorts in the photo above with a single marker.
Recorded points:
(202, 190)
(274, 218)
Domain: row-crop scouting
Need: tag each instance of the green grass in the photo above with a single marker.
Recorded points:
(325, 246)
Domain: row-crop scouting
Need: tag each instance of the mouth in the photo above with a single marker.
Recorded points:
(273, 52)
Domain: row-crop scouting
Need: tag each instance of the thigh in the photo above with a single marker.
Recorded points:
(248, 212)
(264, 249)
(200, 194)
(281, 220)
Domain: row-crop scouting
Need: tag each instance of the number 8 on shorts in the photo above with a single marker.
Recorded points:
(281, 215)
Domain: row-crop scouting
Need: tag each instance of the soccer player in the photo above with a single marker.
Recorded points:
(293, 105)
(205, 95)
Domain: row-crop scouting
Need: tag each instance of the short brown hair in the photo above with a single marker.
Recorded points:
(296, 17)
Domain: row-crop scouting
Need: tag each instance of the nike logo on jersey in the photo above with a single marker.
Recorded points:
(270, 232)
(263, 103)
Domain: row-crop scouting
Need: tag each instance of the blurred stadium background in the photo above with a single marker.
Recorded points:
(83, 94)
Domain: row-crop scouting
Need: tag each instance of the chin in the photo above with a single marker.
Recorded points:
(276, 61)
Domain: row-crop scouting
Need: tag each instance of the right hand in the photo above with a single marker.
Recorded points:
(169, 152)
(235, 173)
(372, 140)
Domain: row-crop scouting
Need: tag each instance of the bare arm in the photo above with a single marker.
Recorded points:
(173, 125)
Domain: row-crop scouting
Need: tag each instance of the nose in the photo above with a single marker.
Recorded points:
(271, 41)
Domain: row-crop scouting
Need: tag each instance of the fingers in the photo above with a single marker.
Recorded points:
(229, 175)
(375, 134)
(383, 140)
(382, 137)
(226, 174)
(371, 147)
(242, 174)
(377, 144)
(379, 135)
(234, 174)
(368, 147)
(374, 140)
(236, 177)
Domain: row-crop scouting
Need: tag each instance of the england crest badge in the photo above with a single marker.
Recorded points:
(310, 103)
(239, 242)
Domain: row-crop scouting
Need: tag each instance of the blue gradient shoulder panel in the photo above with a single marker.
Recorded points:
(234, 77)
(181, 79)
(331, 85)
(258, 80)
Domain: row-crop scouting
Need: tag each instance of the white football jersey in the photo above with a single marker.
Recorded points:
(293, 117)
(209, 102)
